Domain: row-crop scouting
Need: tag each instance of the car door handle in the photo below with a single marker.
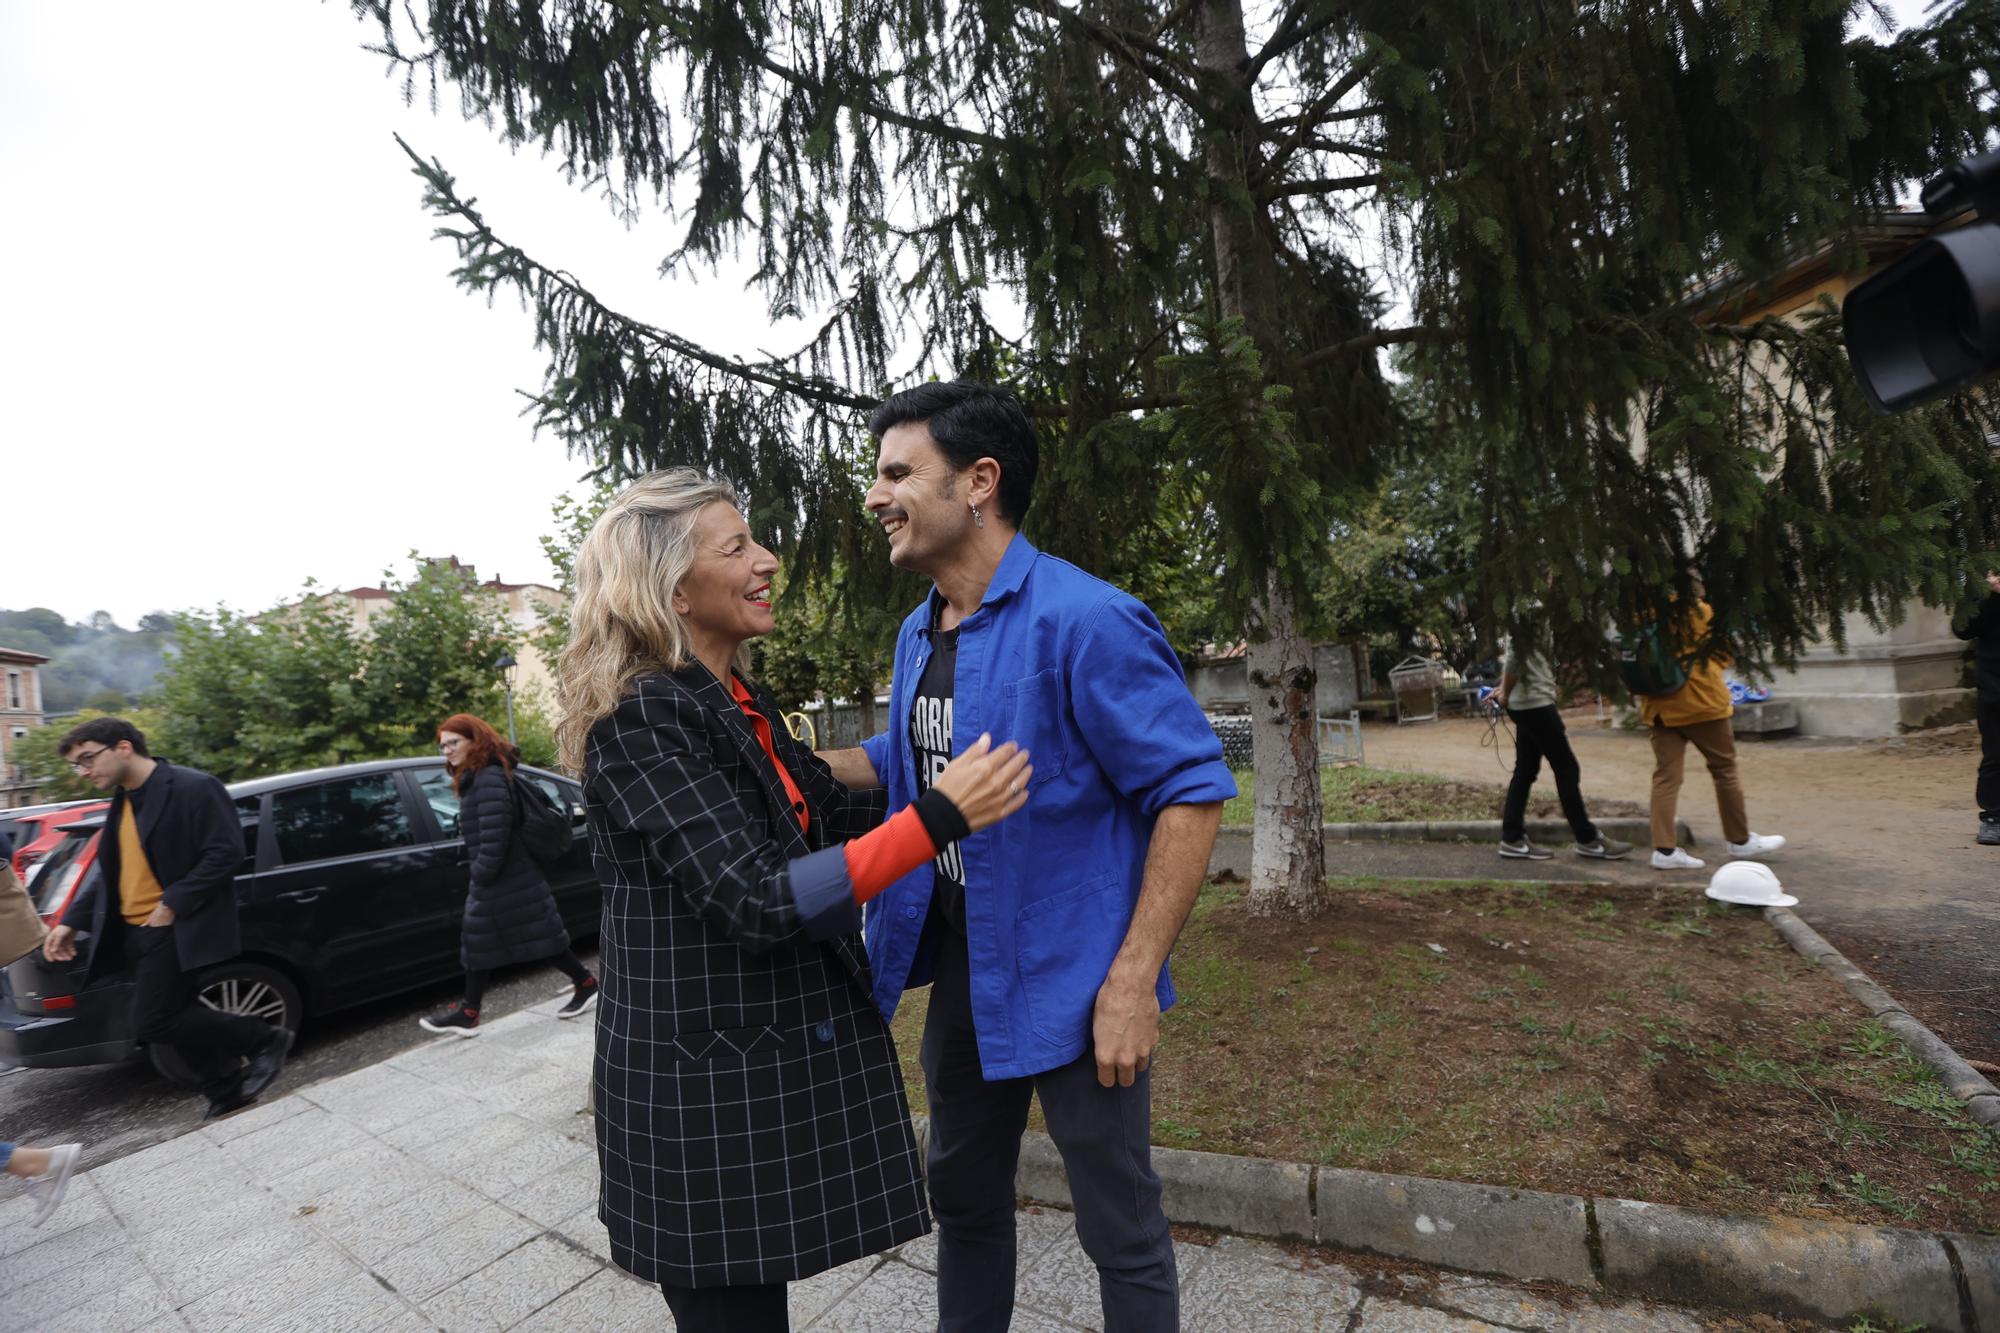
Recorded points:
(302, 895)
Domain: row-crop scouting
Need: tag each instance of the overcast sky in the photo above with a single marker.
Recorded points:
(230, 353)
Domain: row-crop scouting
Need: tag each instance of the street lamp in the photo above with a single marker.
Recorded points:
(504, 666)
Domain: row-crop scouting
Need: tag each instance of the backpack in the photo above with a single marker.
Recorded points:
(545, 830)
(1647, 666)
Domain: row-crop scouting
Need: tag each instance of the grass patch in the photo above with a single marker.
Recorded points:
(1688, 1066)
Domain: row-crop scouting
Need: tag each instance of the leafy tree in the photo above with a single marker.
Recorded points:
(432, 654)
(36, 755)
(156, 622)
(574, 518)
(299, 686)
(1177, 200)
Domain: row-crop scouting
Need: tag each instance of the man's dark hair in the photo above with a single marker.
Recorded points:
(970, 421)
(102, 731)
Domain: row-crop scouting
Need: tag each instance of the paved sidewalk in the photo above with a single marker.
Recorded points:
(454, 1186)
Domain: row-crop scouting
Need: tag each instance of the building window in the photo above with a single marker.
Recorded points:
(14, 690)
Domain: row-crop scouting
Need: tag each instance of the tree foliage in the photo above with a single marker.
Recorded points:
(299, 686)
(1175, 230)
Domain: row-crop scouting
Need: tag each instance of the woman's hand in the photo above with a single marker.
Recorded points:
(986, 784)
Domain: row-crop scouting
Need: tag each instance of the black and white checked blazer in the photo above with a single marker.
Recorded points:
(751, 1122)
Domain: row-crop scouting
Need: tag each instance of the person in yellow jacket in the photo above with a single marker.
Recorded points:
(1697, 714)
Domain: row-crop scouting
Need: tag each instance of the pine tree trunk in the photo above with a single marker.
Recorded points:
(1287, 849)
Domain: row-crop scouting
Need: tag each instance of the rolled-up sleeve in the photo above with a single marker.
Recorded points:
(1135, 712)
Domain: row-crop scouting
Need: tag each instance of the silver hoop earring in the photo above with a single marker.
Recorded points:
(978, 520)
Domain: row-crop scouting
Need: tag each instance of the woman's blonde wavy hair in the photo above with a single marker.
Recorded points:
(622, 621)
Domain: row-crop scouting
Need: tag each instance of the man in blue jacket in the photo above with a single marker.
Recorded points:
(1044, 938)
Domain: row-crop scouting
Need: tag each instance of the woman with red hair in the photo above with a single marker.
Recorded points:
(510, 912)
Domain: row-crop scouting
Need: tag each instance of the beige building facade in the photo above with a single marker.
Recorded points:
(20, 712)
(1908, 675)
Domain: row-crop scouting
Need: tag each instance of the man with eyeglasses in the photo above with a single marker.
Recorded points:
(163, 902)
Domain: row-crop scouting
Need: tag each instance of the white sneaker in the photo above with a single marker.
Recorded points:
(1757, 845)
(50, 1186)
(1677, 859)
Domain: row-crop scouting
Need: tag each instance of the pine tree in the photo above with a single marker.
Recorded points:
(1194, 213)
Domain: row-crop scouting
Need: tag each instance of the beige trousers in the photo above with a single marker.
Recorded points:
(1717, 744)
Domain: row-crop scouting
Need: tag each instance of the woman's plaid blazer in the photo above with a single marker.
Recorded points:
(751, 1122)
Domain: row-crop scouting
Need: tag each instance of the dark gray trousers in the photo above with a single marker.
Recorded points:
(1104, 1136)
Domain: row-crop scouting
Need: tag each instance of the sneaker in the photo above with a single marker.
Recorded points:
(50, 1186)
(1524, 850)
(1604, 849)
(454, 1018)
(1989, 833)
(1758, 844)
(1677, 859)
(582, 999)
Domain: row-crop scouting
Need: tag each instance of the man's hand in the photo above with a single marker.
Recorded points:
(60, 946)
(851, 767)
(163, 915)
(1125, 1027)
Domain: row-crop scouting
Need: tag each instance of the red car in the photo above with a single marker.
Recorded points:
(35, 830)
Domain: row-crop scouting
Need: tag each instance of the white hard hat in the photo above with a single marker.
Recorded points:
(1749, 884)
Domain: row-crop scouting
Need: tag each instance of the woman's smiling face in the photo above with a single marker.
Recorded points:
(726, 595)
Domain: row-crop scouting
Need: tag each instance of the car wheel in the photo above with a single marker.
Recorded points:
(252, 989)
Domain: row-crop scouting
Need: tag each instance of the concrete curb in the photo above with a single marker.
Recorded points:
(1964, 1082)
(1829, 1271)
(1554, 832)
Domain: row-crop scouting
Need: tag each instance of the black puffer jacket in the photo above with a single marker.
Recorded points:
(510, 913)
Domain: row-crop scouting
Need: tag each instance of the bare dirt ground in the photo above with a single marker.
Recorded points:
(1881, 847)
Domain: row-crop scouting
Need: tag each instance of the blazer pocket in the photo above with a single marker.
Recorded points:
(1031, 715)
(725, 1044)
(1063, 946)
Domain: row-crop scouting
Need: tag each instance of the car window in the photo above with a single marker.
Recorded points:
(434, 785)
(565, 797)
(345, 818)
(249, 810)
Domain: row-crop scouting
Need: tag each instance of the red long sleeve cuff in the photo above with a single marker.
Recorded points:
(880, 857)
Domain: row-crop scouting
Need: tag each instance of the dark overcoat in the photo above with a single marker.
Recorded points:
(510, 911)
(194, 842)
(751, 1121)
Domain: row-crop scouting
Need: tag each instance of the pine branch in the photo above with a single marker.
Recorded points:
(1311, 118)
(1325, 184)
(1371, 340)
(923, 124)
(445, 200)
(1288, 37)
(1140, 52)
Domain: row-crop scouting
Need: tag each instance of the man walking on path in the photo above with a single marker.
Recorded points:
(1527, 694)
(1044, 938)
(1982, 626)
(1697, 714)
(164, 903)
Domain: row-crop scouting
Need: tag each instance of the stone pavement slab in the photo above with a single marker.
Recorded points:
(454, 1187)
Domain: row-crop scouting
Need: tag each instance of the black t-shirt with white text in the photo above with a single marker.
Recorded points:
(930, 744)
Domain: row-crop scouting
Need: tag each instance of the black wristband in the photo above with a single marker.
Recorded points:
(941, 819)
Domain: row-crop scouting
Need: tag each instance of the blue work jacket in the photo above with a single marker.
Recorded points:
(1080, 675)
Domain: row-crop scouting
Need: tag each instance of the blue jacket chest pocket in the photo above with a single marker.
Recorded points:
(1034, 714)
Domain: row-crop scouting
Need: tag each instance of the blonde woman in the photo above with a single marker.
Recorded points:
(751, 1123)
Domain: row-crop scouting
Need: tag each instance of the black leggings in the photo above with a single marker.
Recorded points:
(475, 981)
(748, 1309)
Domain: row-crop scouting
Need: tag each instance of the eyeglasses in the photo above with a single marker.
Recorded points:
(82, 763)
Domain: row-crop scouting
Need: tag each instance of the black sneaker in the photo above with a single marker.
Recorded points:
(454, 1018)
(1524, 851)
(582, 999)
(1989, 833)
